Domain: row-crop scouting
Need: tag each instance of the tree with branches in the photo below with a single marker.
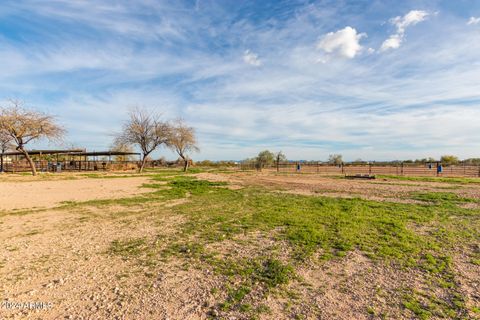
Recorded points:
(279, 157)
(182, 140)
(145, 130)
(24, 126)
(265, 158)
(335, 159)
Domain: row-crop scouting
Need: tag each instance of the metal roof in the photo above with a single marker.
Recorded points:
(37, 152)
(72, 152)
(104, 153)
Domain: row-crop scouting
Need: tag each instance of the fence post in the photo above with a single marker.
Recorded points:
(343, 170)
(369, 168)
(401, 170)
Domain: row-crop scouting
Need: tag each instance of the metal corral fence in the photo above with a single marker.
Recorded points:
(400, 169)
(84, 165)
(46, 166)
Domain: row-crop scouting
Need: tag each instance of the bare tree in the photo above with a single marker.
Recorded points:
(279, 157)
(145, 130)
(5, 144)
(182, 140)
(24, 126)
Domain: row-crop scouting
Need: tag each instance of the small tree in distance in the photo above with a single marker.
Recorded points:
(24, 126)
(335, 159)
(279, 157)
(449, 160)
(182, 140)
(264, 158)
(145, 130)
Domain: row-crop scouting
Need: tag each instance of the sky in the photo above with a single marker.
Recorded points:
(376, 80)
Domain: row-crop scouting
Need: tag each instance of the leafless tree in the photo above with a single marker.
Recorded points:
(23, 126)
(279, 157)
(145, 130)
(182, 140)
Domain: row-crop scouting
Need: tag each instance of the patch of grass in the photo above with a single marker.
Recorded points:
(371, 310)
(273, 273)
(268, 273)
(435, 264)
(127, 248)
(433, 179)
(420, 310)
(440, 197)
(427, 306)
(311, 223)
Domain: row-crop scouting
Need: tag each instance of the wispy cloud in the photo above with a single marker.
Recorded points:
(89, 61)
(473, 21)
(402, 23)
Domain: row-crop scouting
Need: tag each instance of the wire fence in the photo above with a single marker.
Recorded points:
(400, 169)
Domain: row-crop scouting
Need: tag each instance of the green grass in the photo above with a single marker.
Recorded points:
(433, 179)
(385, 232)
(440, 197)
(128, 248)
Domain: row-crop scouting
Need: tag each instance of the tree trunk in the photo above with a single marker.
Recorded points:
(1, 162)
(143, 163)
(30, 161)
(185, 166)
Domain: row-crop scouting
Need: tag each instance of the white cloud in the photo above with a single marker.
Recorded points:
(473, 21)
(391, 43)
(251, 58)
(410, 19)
(344, 42)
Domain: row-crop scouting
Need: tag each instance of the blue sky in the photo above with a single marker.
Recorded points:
(367, 79)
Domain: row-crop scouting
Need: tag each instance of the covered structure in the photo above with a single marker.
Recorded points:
(70, 160)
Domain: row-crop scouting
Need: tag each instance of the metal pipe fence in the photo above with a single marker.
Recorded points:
(400, 169)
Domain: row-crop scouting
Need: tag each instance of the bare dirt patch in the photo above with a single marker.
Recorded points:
(47, 194)
(66, 262)
(353, 287)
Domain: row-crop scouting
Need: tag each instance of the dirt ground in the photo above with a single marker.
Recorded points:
(27, 193)
(59, 256)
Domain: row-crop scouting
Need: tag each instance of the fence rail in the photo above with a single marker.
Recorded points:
(462, 170)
